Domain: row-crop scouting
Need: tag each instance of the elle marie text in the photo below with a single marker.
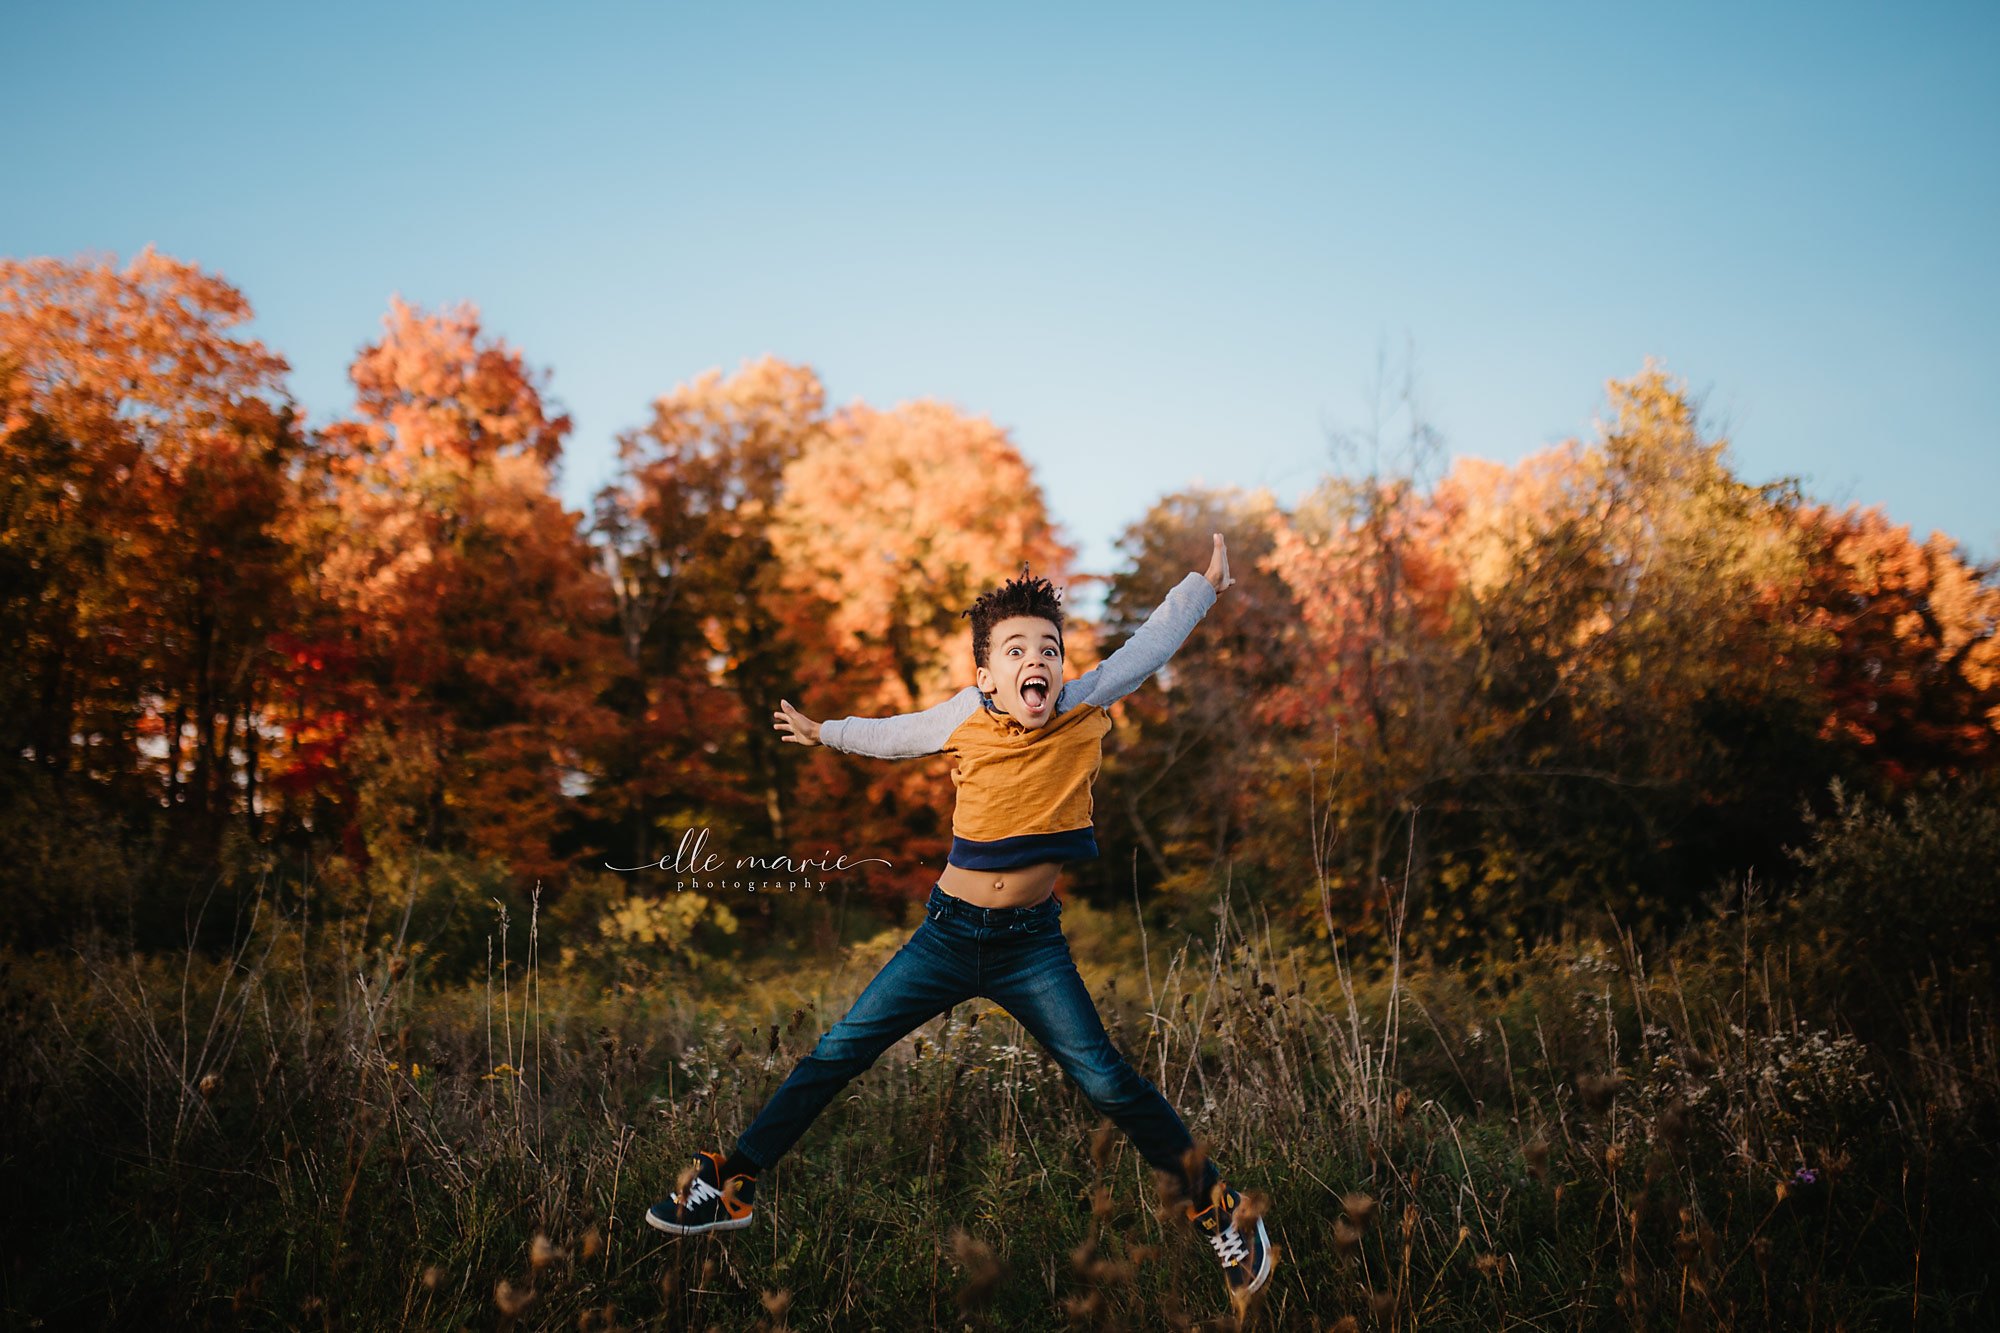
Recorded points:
(692, 858)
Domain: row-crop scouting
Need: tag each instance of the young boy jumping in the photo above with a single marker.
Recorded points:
(1028, 748)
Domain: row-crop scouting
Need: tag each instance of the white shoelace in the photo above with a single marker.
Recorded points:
(700, 1191)
(1230, 1246)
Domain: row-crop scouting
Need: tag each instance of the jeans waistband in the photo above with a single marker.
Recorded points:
(942, 904)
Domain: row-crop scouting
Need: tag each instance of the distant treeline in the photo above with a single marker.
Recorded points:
(1592, 686)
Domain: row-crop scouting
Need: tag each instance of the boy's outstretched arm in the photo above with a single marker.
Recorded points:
(1156, 641)
(904, 736)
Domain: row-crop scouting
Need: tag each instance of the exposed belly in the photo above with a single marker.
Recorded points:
(1023, 886)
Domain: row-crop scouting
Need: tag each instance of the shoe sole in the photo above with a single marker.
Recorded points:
(657, 1223)
(1270, 1259)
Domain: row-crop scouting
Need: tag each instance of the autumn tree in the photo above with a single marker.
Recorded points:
(466, 597)
(1909, 662)
(1645, 726)
(1185, 776)
(1377, 703)
(687, 534)
(149, 465)
(1557, 688)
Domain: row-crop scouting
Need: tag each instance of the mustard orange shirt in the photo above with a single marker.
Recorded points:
(1024, 796)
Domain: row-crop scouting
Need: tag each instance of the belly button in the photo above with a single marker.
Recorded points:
(999, 883)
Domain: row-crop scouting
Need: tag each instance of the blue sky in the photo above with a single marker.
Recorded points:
(1159, 244)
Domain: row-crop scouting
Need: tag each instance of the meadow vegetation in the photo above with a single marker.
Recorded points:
(308, 1129)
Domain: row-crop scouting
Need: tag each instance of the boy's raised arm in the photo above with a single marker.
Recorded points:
(1155, 642)
(904, 736)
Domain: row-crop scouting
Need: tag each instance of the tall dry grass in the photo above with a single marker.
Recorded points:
(306, 1131)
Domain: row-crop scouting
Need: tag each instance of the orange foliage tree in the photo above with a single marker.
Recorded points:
(1910, 662)
(465, 597)
(147, 464)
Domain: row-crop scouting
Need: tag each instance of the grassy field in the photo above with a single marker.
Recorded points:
(307, 1131)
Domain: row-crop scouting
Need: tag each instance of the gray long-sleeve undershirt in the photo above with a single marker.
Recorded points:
(908, 735)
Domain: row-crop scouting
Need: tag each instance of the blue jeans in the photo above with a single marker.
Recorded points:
(1015, 956)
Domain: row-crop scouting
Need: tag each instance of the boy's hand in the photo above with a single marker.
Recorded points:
(1218, 566)
(798, 728)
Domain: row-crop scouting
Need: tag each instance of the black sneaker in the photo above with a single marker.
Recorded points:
(1245, 1251)
(706, 1202)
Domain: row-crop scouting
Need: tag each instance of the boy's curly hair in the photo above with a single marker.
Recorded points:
(1023, 596)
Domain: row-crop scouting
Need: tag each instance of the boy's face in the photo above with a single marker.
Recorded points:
(1024, 669)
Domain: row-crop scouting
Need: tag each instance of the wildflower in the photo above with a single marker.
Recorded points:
(1359, 1207)
(543, 1252)
(211, 1083)
(776, 1303)
(593, 1243)
(1805, 1175)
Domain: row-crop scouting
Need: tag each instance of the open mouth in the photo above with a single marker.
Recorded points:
(1035, 693)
